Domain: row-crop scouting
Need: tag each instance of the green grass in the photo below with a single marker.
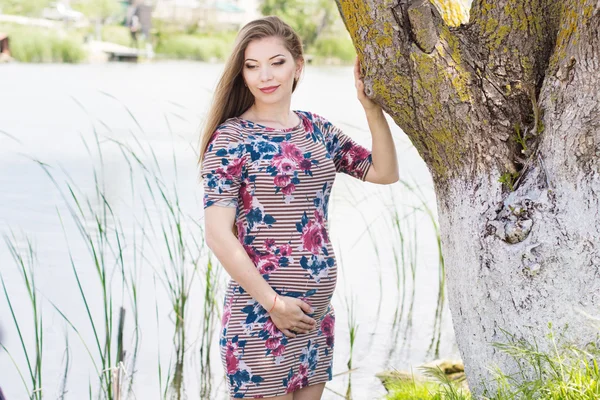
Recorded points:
(414, 390)
(39, 45)
(561, 372)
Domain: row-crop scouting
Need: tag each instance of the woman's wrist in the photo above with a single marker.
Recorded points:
(274, 303)
(269, 301)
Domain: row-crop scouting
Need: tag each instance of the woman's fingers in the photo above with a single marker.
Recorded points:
(305, 307)
(308, 320)
(289, 334)
(303, 326)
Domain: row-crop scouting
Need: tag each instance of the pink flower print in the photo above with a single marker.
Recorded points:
(285, 250)
(273, 343)
(297, 382)
(269, 243)
(226, 314)
(305, 164)
(308, 125)
(282, 180)
(284, 164)
(278, 351)
(291, 151)
(271, 329)
(289, 189)
(235, 167)
(328, 325)
(231, 358)
(328, 329)
(267, 264)
(302, 370)
(313, 236)
(246, 197)
(319, 218)
(358, 153)
(330, 341)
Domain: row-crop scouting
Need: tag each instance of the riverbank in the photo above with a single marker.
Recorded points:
(55, 44)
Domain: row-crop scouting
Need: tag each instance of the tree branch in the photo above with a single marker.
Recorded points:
(417, 68)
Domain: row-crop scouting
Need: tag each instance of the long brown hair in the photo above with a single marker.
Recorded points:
(231, 96)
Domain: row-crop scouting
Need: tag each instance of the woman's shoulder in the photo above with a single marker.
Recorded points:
(229, 129)
(314, 117)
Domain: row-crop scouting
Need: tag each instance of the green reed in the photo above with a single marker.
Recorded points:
(352, 331)
(424, 207)
(26, 261)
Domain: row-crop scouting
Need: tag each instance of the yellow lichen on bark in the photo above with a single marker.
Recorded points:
(454, 12)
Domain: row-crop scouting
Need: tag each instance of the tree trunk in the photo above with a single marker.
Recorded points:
(505, 111)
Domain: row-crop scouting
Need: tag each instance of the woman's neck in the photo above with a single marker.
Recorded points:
(274, 114)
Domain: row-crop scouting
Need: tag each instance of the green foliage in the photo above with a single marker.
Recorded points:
(412, 390)
(30, 8)
(40, 45)
(191, 47)
(563, 372)
(308, 17)
(335, 46)
(509, 179)
(99, 9)
(520, 139)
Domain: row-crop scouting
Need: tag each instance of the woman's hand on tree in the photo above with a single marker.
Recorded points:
(366, 102)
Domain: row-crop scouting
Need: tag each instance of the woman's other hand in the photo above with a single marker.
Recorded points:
(289, 314)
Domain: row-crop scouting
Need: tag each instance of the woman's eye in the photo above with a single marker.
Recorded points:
(279, 63)
(250, 66)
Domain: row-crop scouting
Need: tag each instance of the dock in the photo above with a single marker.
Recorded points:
(105, 51)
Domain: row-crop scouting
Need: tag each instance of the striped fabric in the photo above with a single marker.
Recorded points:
(279, 181)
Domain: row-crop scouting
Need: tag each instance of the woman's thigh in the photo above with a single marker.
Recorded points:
(312, 392)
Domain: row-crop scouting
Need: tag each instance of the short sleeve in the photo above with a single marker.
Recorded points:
(222, 169)
(348, 156)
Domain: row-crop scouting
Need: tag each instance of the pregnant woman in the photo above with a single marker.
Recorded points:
(270, 170)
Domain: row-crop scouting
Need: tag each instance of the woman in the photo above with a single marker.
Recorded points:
(270, 170)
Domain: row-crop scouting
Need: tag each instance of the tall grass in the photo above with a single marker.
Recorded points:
(423, 206)
(39, 45)
(25, 259)
(352, 331)
(101, 230)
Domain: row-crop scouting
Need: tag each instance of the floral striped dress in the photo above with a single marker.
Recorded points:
(279, 181)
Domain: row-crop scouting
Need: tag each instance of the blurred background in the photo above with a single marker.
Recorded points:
(107, 289)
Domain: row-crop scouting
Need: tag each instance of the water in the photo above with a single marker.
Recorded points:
(49, 112)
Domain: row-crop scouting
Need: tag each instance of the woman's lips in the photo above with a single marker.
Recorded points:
(269, 89)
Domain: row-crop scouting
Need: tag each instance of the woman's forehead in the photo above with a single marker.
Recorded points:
(264, 49)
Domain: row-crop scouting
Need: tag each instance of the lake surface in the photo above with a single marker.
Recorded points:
(60, 115)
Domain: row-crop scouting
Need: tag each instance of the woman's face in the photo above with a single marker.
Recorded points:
(269, 70)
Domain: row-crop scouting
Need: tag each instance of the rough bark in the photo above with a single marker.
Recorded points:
(505, 111)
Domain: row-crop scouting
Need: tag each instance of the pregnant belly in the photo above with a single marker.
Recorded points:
(298, 282)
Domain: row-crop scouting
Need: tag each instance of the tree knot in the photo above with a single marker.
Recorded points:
(424, 21)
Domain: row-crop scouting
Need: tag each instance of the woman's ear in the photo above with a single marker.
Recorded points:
(299, 68)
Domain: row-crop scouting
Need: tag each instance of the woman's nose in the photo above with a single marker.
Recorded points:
(265, 73)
